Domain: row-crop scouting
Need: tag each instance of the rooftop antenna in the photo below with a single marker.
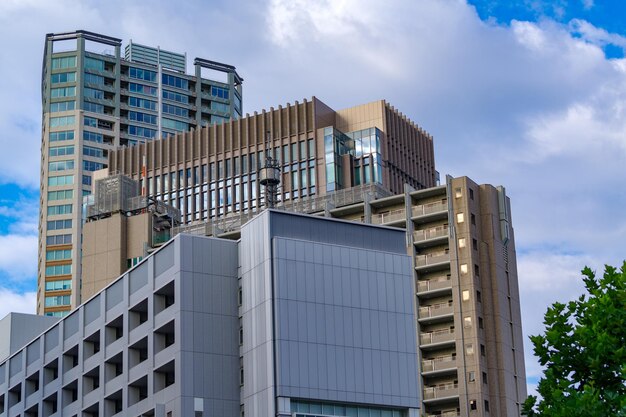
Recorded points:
(269, 175)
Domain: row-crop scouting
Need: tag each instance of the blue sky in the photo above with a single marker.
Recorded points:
(528, 94)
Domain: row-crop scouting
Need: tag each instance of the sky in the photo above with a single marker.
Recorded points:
(529, 94)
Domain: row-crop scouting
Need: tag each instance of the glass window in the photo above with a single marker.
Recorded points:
(60, 285)
(60, 165)
(58, 270)
(62, 106)
(142, 74)
(141, 132)
(94, 63)
(175, 110)
(93, 107)
(94, 79)
(62, 121)
(60, 180)
(58, 255)
(59, 300)
(92, 166)
(464, 268)
(92, 136)
(174, 124)
(221, 107)
(59, 240)
(173, 81)
(460, 217)
(466, 295)
(61, 150)
(170, 95)
(220, 92)
(63, 77)
(311, 148)
(461, 242)
(63, 135)
(142, 103)
(65, 62)
(142, 117)
(60, 195)
(63, 92)
(143, 89)
(93, 93)
(58, 210)
(95, 152)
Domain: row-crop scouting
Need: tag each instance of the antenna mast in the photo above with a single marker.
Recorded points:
(269, 175)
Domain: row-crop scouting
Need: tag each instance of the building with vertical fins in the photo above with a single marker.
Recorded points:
(95, 101)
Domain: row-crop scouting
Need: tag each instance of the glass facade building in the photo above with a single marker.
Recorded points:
(95, 102)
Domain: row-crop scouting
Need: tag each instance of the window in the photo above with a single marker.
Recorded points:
(92, 136)
(472, 404)
(466, 295)
(474, 244)
(476, 270)
(142, 103)
(467, 322)
(62, 106)
(92, 166)
(170, 95)
(142, 89)
(90, 121)
(142, 117)
(311, 148)
(63, 92)
(469, 349)
(61, 150)
(94, 79)
(58, 255)
(58, 270)
(484, 377)
(143, 132)
(62, 209)
(61, 285)
(177, 82)
(486, 405)
(93, 93)
(460, 217)
(478, 296)
(219, 92)
(482, 350)
(174, 124)
(224, 108)
(61, 136)
(62, 121)
(473, 219)
(481, 324)
(464, 268)
(175, 110)
(142, 74)
(63, 77)
(461, 242)
(93, 107)
(95, 152)
(458, 193)
(60, 195)
(471, 376)
(60, 166)
(65, 62)
(60, 180)
(471, 194)
(59, 240)
(59, 224)
(96, 64)
(59, 300)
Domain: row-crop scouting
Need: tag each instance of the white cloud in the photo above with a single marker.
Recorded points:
(13, 302)
(18, 256)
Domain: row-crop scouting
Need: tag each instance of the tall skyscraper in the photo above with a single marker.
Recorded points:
(94, 102)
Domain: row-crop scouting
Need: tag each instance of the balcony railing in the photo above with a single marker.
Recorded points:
(439, 231)
(441, 391)
(439, 336)
(434, 284)
(429, 208)
(435, 310)
(438, 364)
(388, 217)
(432, 258)
(452, 413)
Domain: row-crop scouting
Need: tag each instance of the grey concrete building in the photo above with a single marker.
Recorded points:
(303, 316)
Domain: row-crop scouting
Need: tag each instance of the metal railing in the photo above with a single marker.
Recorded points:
(452, 413)
(441, 391)
(445, 335)
(434, 284)
(432, 258)
(436, 310)
(437, 364)
(389, 216)
(429, 208)
(439, 231)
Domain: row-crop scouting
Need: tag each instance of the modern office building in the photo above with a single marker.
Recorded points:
(212, 172)
(302, 316)
(94, 101)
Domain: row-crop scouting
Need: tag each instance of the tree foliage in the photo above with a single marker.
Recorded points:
(583, 351)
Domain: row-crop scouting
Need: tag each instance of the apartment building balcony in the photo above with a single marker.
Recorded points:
(390, 218)
(424, 213)
(434, 287)
(436, 339)
(431, 237)
(436, 313)
(432, 261)
(451, 413)
(443, 392)
(439, 366)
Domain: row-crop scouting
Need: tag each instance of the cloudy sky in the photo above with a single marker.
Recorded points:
(529, 94)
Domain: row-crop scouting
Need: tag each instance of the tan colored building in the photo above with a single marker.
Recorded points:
(122, 227)
(212, 172)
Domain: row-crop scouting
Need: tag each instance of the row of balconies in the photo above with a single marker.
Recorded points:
(439, 364)
(441, 391)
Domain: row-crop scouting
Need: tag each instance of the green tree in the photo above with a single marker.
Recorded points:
(583, 351)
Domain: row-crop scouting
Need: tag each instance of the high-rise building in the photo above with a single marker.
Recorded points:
(95, 101)
(302, 316)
